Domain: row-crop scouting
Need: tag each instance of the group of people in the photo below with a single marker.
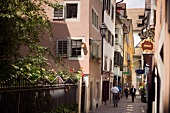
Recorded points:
(116, 92)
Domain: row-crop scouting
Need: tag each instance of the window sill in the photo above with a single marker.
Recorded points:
(75, 58)
(72, 19)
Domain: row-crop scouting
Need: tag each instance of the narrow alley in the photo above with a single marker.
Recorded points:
(124, 106)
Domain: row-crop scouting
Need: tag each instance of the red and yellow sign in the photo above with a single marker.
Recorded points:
(147, 46)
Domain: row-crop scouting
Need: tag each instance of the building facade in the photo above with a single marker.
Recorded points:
(119, 41)
(161, 55)
(128, 55)
(108, 49)
(76, 32)
(157, 28)
(137, 15)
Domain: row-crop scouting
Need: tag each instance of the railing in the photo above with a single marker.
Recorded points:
(20, 96)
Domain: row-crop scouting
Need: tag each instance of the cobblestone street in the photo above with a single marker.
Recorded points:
(124, 106)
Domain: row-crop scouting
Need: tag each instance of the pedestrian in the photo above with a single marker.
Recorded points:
(120, 92)
(132, 92)
(126, 91)
(115, 92)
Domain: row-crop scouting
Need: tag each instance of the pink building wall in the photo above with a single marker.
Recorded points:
(162, 37)
(62, 29)
(83, 28)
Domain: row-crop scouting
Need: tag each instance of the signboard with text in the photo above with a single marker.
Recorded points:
(147, 46)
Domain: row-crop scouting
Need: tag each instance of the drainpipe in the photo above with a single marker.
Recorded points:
(103, 8)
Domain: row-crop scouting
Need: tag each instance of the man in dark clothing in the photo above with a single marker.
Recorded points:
(132, 92)
(126, 90)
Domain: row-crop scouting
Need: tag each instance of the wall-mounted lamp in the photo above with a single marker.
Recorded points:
(145, 33)
(103, 29)
(82, 44)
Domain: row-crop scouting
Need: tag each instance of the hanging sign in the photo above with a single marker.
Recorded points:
(147, 46)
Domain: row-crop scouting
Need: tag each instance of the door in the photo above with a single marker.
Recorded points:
(105, 91)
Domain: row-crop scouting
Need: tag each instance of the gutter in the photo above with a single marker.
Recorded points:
(103, 8)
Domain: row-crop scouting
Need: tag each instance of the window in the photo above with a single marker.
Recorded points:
(128, 56)
(168, 13)
(71, 10)
(112, 15)
(112, 40)
(58, 12)
(98, 90)
(108, 6)
(106, 37)
(141, 17)
(94, 19)
(62, 47)
(110, 65)
(105, 63)
(116, 31)
(116, 39)
(140, 25)
(127, 40)
(76, 47)
(94, 49)
(116, 58)
(109, 36)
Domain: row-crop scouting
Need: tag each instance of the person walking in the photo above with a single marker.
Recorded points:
(115, 92)
(126, 90)
(132, 92)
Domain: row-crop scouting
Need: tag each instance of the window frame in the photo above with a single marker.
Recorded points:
(81, 57)
(94, 44)
(95, 19)
(76, 51)
(78, 10)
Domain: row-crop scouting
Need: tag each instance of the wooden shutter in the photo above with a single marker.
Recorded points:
(62, 47)
(58, 13)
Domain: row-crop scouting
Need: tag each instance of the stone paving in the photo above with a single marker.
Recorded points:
(124, 106)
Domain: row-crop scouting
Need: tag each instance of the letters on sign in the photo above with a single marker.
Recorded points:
(147, 45)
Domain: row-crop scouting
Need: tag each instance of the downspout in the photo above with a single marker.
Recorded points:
(103, 8)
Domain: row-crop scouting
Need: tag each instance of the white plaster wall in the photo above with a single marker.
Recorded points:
(136, 37)
(108, 50)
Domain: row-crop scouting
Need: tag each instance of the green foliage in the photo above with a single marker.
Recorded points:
(23, 24)
(70, 108)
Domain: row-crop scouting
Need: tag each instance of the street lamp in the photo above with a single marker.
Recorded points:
(103, 30)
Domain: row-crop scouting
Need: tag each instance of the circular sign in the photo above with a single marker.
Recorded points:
(147, 45)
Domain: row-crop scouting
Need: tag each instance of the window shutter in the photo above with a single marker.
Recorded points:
(112, 40)
(58, 13)
(62, 48)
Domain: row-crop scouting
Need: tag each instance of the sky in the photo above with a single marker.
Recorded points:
(134, 3)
